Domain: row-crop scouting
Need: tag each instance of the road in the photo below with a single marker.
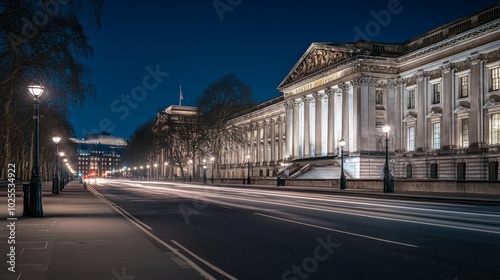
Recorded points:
(237, 233)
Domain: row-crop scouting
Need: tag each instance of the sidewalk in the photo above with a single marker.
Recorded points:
(82, 237)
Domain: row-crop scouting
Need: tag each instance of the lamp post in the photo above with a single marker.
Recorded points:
(64, 176)
(204, 171)
(212, 177)
(148, 176)
(343, 183)
(156, 171)
(60, 183)
(191, 169)
(248, 170)
(166, 166)
(55, 182)
(388, 180)
(36, 208)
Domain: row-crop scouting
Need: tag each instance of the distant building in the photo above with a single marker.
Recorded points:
(168, 156)
(99, 154)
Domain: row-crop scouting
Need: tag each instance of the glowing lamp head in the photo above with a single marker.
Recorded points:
(386, 128)
(36, 89)
(342, 143)
(56, 139)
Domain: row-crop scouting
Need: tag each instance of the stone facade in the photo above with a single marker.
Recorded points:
(438, 92)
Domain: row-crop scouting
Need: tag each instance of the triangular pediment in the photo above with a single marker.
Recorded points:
(319, 56)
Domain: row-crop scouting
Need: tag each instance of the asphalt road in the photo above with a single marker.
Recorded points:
(237, 233)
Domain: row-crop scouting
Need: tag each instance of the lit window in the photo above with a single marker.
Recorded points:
(436, 93)
(465, 133)
(463, 86)
(411, 138)
(494, 79)
(436, 136)
(495, 129)
(411, 99)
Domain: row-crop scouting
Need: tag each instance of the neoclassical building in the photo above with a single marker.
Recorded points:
(439, 93)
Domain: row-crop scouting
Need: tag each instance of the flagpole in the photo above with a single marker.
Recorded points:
(180, 95)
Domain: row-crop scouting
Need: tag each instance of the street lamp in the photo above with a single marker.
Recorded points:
(148, 176)
(388, 179)
(36, 208)
(248, 171)
(155, 171)
(64, 176)
(191, 167)
(204, 171)
(212, 178)
(61, 155)
(55, 182)
(343, 183)
(166, 166)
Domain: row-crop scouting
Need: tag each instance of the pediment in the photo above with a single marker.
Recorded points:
(409, 118)
(319, 56)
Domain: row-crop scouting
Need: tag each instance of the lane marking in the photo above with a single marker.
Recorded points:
(339, 199)
(157, 239)
(205, 262)
(118, 208)
(339, 231)
(219, 195)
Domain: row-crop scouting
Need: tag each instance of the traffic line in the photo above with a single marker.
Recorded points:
(336, 230)
(203, 261)
(139, 225)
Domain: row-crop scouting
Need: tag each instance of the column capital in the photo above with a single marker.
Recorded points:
(319, 95)
(364, 81)
(446, 68)
(307, 99)
(475, 58)
(344, 86)
(392, 83)
(289, 104)
(420, 75)
(329, 91)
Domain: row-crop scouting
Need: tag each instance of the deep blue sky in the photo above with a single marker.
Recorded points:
(258, 40)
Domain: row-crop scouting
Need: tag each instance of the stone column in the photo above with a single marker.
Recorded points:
(331, 121)
(307, 133)
(447, 103)
(289, 131)
(296, 106)
(264, 142)
(393, 114)
(345, 115)
(280, 138)
(475, 119)
(421, 135)
(318, 133)
(364, 114)
(272, 123)
(258, 126)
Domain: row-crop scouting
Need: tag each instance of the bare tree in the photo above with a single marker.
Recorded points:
(221, 101)
(42, 41)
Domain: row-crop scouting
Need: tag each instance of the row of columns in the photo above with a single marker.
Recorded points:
(357, 118)
(261, 140)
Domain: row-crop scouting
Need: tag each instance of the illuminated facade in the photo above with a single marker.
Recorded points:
(439, 93)
(99, 152)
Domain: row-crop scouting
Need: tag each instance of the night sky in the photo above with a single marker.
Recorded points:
(191, 43)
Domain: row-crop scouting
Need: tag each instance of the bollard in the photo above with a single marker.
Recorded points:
(26, 199)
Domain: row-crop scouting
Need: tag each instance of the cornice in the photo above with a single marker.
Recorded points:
(450, 42)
